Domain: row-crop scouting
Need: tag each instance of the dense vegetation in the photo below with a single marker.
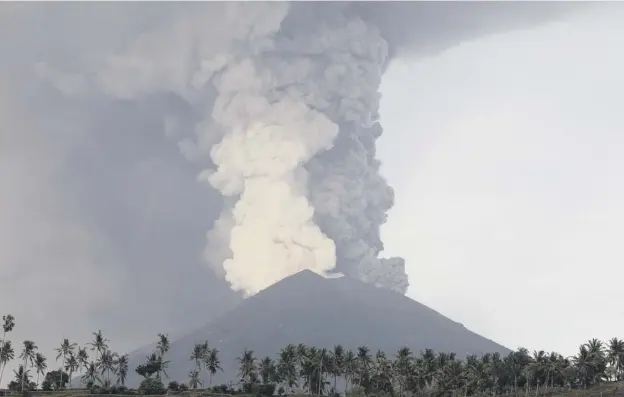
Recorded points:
(321, 371)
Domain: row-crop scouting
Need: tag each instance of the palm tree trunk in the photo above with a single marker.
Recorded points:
(2, 371)
(2, 351)
(62, 369)
(23, 374)
(319, 379)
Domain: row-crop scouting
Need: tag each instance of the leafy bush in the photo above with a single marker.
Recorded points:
(46, 385)
(173, 385)
(183, 387)
(222, 389)
(266, 390)
(152, 386)
(356, 391)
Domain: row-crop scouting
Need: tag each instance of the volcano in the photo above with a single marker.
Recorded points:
(322, 312)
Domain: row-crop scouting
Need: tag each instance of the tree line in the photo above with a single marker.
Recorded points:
(322, 371)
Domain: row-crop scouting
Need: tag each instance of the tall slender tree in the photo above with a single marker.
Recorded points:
(106, 364)
(247, 366)
(121, 368)
(40, 365)
(163, 344)
(616, 357)
(337, 364)
(194, 379)
(162, 347)
(99, 343)
(350, 366)
(404, 367)
(8, 354)
(90, 377)
(8, 323)
(83, 358)
(72, 365)
(212, 363)
(268, 372)
(64, 350)
(22, 377)
(29, 349)
(197, 355)
(287, 366)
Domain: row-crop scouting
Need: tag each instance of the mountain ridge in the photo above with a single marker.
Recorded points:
(316, 311)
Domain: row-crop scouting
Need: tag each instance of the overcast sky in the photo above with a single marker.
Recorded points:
(506, 154)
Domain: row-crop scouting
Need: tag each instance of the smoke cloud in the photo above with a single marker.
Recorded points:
(288, 123)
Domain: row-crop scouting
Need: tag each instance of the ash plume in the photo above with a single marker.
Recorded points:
(288, 118)
(304, 195)
(299, 107)
(285, 119)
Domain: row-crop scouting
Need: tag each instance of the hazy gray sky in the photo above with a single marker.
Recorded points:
(506, 154)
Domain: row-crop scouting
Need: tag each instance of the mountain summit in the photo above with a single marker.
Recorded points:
(316, 311)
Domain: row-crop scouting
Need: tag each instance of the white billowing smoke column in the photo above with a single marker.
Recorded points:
(259, 160)
(272, 107)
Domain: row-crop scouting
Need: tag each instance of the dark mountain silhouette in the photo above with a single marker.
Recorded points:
(307, 308)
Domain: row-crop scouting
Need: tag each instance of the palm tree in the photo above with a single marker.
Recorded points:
(337, 364)
(64, 350)
(194, 379)
(350, 367)
(364, 361)
(584, 364)
(381, 379)
(23, 376)
(41, 365)
(106, 363)
(267, 370)
(91, 374)
(121, 367)
(163, 347)
(321, 363)
(163, 344)
(8, 324)
(72, 365)
(287, 366)
(28, 355)
(598, 353)
(99, 343)
(83, 357)
(212, 363)
(197, 355)
(403, 365)
(8, 354)
(615, 356)
(302, 354)
(452, 376)
(247, 366)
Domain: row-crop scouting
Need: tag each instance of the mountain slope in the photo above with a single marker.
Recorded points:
(307, 308)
